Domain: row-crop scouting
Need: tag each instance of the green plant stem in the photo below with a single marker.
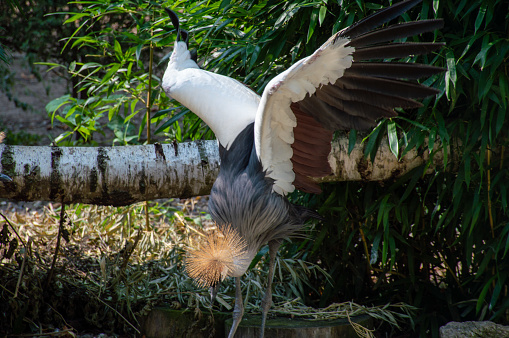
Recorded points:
(149, 93)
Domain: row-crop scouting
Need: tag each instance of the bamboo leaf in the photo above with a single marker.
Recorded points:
(496, 291)
(487, 258)
(312, 23)
(75, 17)
(118, 50)
(450, 75)
(164, 112)
(224, 3)
(485, 47)
(321, 15)
(65, 121)
(55, 104)
(171, 121)
(371, 146)
(482, 296)
(138, 52)
(504, 90)
(352, 140)
(480, 16)
(500, 120)
(392, 134)
(113, 70)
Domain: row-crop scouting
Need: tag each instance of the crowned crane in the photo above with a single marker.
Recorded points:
(273, 144)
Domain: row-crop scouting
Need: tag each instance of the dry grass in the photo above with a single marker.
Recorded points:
(112, 268)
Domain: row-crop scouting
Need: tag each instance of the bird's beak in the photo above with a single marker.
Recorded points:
(5, 178)
(174, 20)
(213, 292)
(184, 35)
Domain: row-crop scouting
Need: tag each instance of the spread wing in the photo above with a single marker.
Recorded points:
(339, 87)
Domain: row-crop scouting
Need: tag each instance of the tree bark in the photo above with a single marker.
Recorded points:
(125, 175)
(109, 175)
(356, 167)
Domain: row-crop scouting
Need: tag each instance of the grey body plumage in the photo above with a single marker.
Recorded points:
(242, 197)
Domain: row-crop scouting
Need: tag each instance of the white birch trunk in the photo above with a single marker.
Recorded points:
(355, 167)
(108, 175)
(125, 175)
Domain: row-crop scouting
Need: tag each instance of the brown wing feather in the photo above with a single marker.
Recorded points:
(311, 148)
(368, 91)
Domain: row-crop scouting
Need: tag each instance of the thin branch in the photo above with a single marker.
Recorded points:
(22, 269)
(60, 229)
(13, 229)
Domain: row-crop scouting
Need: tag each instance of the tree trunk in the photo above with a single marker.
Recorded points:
(356, 167)
(109, 175)
(125, 175)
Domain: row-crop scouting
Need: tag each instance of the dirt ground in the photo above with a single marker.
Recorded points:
(26, 112)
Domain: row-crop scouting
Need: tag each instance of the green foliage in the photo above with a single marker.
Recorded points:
(115, 78)
(436, 241)
(5, 56)
(29, 29)
(25, 28)
(118, 38)
(10, 137)
(21, 138)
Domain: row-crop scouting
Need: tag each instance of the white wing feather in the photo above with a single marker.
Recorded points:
(219, 100)
(275, 120)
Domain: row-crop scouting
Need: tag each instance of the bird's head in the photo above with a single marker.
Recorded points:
(181, 54)
(222, 253)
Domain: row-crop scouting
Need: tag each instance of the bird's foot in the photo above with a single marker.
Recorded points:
(266, 304)
(238, 310)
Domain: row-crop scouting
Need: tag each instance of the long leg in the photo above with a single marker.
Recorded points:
(267, 299)
(238, 310)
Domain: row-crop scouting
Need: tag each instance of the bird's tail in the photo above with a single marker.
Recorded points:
(306, 214)
(216, 257)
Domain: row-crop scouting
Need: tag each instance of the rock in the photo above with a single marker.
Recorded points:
(484, 329)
